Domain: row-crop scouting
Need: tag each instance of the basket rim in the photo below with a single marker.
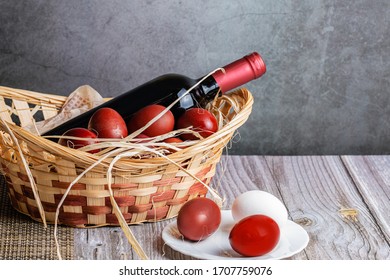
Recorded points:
(222, 135)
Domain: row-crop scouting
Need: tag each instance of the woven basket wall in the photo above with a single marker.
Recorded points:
(39, 171)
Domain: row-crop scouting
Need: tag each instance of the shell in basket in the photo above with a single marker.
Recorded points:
(145, 185)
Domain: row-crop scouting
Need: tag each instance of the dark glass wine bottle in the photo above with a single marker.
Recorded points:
(166, 89)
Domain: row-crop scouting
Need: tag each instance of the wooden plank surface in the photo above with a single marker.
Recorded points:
(371, 175)
(314, 190)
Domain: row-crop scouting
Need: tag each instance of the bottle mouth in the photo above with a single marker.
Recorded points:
(257, 63)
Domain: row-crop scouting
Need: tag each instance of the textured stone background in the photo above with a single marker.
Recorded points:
(327, 86)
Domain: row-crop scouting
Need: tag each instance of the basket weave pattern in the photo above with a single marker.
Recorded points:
(146, 189)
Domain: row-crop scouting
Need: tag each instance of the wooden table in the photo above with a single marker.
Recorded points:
(343, 202)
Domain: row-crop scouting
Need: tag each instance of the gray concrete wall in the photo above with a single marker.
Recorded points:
(327, 86)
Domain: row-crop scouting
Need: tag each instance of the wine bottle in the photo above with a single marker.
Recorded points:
(166, 89)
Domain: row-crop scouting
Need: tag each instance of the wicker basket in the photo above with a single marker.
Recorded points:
(39, 171)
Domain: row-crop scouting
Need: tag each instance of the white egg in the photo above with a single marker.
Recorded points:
(259, 202)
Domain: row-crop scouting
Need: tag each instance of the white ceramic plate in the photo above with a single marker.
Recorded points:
(293, 239)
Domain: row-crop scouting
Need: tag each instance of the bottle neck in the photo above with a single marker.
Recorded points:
(206, 91)
(235, 74)
(240, 72)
